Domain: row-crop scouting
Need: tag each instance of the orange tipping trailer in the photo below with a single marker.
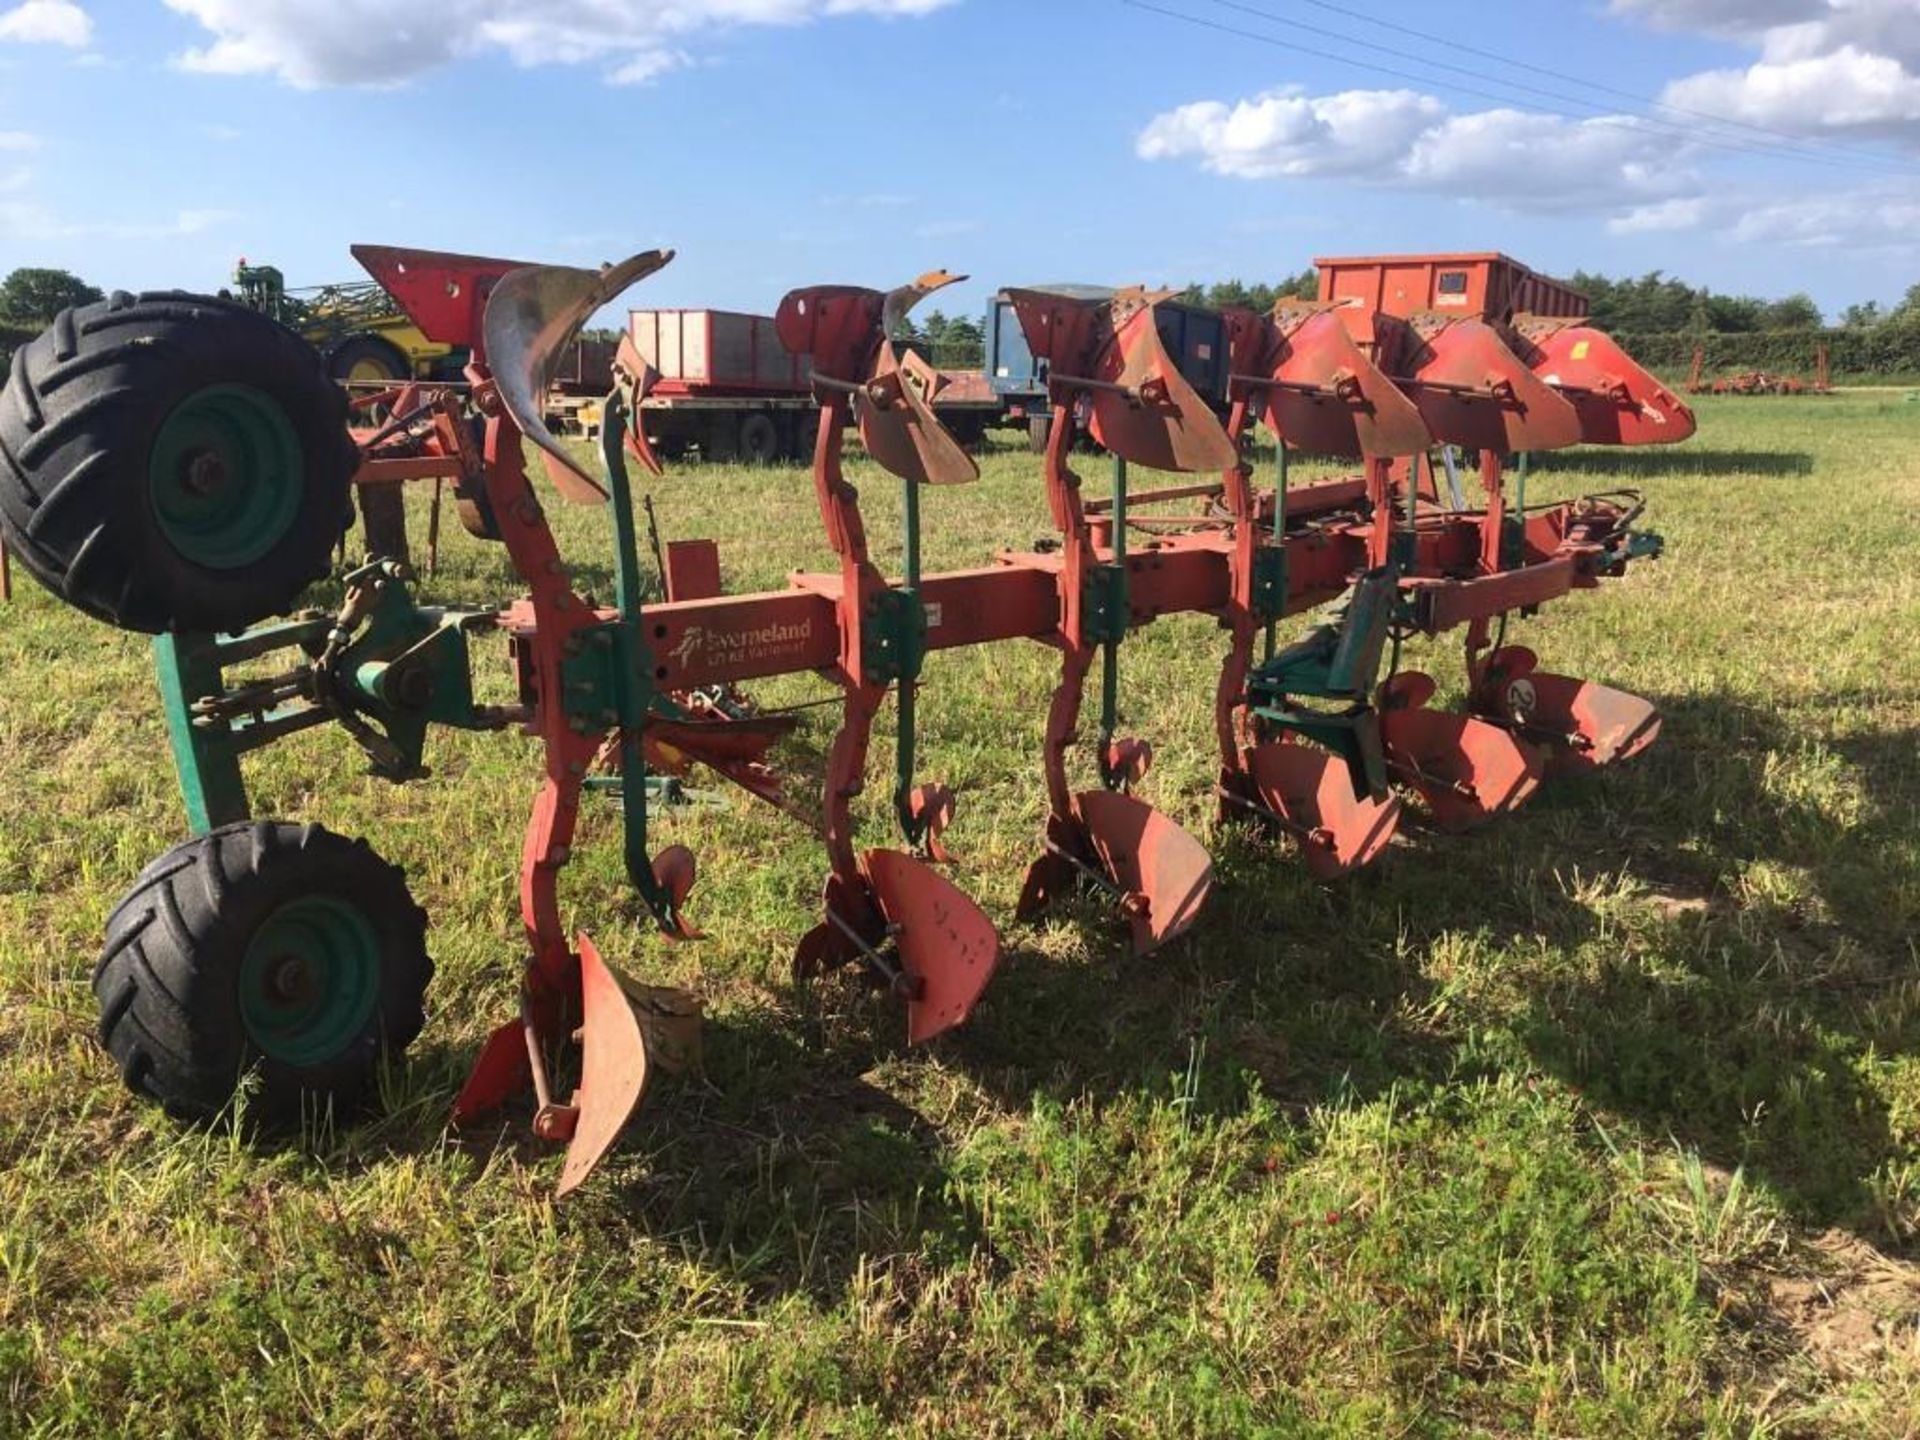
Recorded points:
(1486, 284)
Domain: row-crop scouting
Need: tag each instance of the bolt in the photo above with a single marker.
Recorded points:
(204, 473)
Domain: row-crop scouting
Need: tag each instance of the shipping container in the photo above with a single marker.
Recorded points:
(1486, 286)
(706, 350)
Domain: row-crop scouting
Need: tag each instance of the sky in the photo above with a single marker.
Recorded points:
(1757, 146)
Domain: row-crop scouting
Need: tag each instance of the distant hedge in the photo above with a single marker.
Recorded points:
(1879, 350)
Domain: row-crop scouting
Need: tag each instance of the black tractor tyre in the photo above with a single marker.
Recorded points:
(374, 357)
(171, 461)
(209, 973)
(1039, 428)
(759, 439)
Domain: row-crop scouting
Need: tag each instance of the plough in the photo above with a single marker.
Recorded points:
(178, 465)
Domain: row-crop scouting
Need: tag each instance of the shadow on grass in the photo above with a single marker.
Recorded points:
(788, 1171)
(1748, 1028)
(1678, 1004)
(1651, 461)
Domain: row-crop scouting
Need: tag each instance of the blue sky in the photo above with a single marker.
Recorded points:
(783, 142)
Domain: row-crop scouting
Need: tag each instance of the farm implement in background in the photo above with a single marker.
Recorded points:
(182, 466)
(1759, 382)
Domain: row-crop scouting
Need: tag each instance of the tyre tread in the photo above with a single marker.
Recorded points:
(171, 945)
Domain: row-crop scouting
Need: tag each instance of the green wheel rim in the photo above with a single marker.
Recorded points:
(226, 476)
(309, 980)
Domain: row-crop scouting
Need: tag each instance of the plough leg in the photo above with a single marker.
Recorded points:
(924, 939)
(1120, 845)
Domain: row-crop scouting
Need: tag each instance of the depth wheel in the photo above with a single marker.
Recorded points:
(263, 947)
(171, 461)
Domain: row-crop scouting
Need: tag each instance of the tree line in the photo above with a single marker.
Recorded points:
(1662, 316)
(1660, 303)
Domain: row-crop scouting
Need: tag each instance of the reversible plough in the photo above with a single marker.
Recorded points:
(178, 465)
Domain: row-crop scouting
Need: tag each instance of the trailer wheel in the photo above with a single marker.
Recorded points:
(263, 947)
(722, 440)
(171, 461)
(1039, 428)
(969, 430)
(759, 439)
(368, 359)
(796, 436)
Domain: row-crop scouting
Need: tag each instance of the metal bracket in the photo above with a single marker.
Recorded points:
(893, 641)
(1105, 607)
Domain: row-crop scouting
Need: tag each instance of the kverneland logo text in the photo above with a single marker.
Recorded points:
(700, 644)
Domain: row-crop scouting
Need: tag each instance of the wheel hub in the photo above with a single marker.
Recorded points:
(290, 980)
(226, 476)
(310, 980)
(204, 473)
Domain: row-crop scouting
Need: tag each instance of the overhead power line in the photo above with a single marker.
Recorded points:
(1823, 142)
(1479, 89)
(1771, 150)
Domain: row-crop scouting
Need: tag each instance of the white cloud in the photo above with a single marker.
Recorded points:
(1287, 132)
(1848, 89)
(313, 43)
(29, 220)
(1684, 213)
(46, 22)
(1517, 159)
(1721, 17)
(18, 140)
(1549, 162)
(1882, 217)
(1844, 68)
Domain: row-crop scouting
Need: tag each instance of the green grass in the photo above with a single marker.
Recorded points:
(1605, 1121)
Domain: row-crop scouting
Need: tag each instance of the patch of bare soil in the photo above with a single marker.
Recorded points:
(1853, 1310)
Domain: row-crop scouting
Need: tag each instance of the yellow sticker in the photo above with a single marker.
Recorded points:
(1580, 349)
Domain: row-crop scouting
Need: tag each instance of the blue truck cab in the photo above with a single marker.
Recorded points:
(1194, 335)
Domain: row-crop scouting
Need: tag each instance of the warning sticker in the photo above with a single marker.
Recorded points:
(1580, 349)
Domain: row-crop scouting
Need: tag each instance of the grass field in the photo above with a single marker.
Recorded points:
(1603, 1122)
